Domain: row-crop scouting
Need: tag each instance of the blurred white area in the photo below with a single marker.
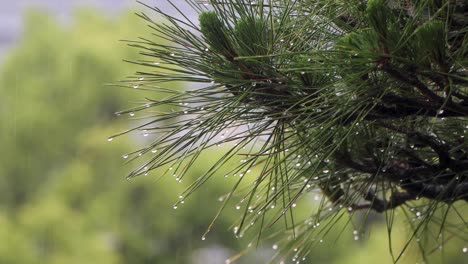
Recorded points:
(12, 11)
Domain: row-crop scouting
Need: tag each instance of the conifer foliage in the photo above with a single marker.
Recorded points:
(366, 101)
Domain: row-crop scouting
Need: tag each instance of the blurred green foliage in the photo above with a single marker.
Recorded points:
(63, 197)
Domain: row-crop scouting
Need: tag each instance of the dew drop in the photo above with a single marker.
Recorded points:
(465, 249)
(293, 205)
(125, 156)
(132, 114)
(441, 111)
(154, 151)
(203, 238)
(141, 79)
(110, 139)
(326, 171)
(274, 247)
(136, 86)
(175, 207)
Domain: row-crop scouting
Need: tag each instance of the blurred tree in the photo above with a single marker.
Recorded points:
(61, 198)
(366, 101)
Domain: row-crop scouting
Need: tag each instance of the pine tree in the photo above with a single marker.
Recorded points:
(366, 101)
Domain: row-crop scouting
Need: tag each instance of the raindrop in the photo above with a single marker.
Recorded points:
(181, 197)
(141, 79)
(203, 238)
(356, 237)
(293, 205)
(154, 151)
(355, 232)
(110, 139)
(238, 207)
(298, 164)
(275, 247)
(465, 249)
(132, 114)
(441, 111)
(326, 171)
(125, 156)
(302, 73)
(135, 86)
(175, 207)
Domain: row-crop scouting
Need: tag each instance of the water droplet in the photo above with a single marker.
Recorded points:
(141, 79)
(418, 214)
(110, 139)
(326, 171)
(181, 197)
(298, 164)
(441, 111)
(356, 237)
(303, 73)
(154, 151)
(465, 249)
(203, 238)
(132, 114)
(293, 205)
(136, 86)
(274, 247)
(125, 156)
(175, 207)
(350, 209)
(238, 207)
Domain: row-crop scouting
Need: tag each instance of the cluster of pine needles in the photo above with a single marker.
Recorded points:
(363, 101)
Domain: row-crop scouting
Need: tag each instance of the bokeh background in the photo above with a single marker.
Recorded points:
(63, 193)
